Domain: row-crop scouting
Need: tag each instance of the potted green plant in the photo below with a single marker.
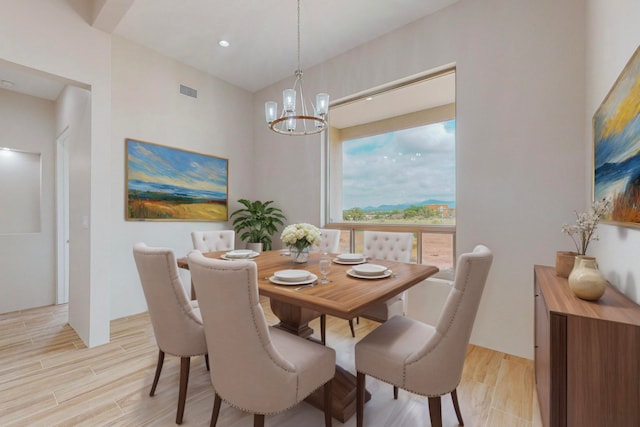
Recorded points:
(257, 222)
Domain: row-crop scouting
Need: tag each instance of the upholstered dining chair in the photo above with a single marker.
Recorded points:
(176, 320)
(387, 246)
(254, 367)
(213, 240)
(329, 241)
(427, 359)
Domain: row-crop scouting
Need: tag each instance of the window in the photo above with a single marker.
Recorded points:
(401, 177)
(392, 166)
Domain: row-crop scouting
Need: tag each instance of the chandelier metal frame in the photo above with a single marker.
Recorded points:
(289, 121)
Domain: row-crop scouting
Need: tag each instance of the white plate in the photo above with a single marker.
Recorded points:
(385, 274)
(339, 261)
(312, 278)
(291, 275)
(350, 257)
(369, 269)
(250, 255)
(240, 253)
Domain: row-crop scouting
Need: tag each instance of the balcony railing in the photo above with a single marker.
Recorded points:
(432, 244)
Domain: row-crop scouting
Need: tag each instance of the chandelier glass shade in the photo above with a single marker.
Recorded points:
(295, 119)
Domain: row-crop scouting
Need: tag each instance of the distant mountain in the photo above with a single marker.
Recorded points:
(404, 206)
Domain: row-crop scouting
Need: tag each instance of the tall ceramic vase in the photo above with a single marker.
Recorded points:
(585, 279)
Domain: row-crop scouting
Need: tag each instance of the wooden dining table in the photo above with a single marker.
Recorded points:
(344, 296)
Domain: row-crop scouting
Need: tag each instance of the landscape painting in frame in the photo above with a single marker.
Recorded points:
(168, 184)
(616, 132)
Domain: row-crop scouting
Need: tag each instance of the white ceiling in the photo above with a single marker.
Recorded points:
(428, 93)
(29, 82)
(263, 33)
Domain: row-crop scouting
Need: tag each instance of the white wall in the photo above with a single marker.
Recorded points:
(520, 137)
(27, 123)
(51, 37)
(613, 35)
(73, 111)
(147, 106)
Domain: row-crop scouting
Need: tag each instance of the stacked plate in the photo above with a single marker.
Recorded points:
(240, 254)
(292, 277)
(369, 271)
(349, 259)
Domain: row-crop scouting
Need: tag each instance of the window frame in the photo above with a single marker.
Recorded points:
(332, 143)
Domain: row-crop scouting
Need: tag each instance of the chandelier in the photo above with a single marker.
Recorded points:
(292, 121)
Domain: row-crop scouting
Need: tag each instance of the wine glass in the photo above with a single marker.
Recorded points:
(325, 267)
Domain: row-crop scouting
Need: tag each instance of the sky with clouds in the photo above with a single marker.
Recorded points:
(165, 165)
(406, 166)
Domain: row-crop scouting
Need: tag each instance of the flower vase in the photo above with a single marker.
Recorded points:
(585, 280)
(299, 255)
(564, 263)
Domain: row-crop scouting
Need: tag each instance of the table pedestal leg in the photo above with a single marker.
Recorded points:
(343, 391)
(295, 320)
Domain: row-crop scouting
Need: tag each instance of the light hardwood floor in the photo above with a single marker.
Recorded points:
(49, 378)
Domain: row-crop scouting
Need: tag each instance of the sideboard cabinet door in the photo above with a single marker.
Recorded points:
(587, 355)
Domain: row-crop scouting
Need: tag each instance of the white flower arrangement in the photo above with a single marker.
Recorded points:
(586, 224)
(300, 236)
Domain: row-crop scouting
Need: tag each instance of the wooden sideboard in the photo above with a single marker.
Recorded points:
(587, 355)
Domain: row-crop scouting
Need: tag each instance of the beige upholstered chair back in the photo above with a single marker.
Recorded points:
(177, 326)
(246, 369)
(445, 351)
(387, 245)
(213, 240)
(329, 241)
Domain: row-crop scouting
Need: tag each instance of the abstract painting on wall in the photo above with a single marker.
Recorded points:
(616, 132)
(168, 184)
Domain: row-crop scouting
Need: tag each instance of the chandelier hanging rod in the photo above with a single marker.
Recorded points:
(290, 122)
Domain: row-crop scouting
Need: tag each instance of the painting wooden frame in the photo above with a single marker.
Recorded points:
(170, 184)
(616, 133)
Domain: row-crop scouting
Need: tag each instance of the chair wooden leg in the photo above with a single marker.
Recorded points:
(395, 393)
(435, 411)
(456, 406)
(328, 403)
(217, 402)
(206, 360)
(353, 332)
(185, 363)
(323, 329)
(158, 370)
(258, 420)
(360, 389)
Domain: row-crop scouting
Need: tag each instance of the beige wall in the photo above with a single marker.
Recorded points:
(147, 106)
(519, 124)
(51, 37)
(522, 136)
(613, 35)
(73, 112)
(26, 262)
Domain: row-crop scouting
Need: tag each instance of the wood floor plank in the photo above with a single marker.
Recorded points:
(22, 407)
(514, 379)
(49, 378)
(500, 418)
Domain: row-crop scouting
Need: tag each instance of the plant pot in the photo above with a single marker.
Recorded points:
(564, 262)
(586, 281)
(257, 247)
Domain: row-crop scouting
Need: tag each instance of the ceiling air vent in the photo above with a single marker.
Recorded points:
(186, 90)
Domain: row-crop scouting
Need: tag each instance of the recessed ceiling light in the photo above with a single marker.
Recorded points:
(223, 43)
(368, 98)
(6, 83)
